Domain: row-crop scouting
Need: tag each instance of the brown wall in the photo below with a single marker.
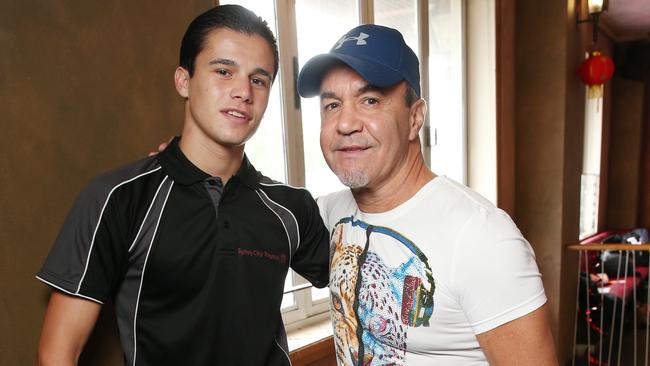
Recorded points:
(549, 115)
(629, 157)
(540, 111)
(628, 193)
(624, 154)
(84, 86)
(644, 177)
(505, 108)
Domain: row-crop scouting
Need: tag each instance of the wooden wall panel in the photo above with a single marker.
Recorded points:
(84, 87)
(549, 115)
(505, 108)
(644, 176)
(624, 154)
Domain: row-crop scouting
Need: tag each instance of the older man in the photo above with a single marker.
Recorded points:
(423, 270)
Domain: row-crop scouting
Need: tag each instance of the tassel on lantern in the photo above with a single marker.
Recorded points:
(595, 91)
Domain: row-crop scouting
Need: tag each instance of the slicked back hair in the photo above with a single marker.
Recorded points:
(233, 17)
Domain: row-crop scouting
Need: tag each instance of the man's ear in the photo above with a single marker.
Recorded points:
(182, 82)
(417, 116)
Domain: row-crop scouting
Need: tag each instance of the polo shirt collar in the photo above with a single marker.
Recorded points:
(248, 175)
(183, 171)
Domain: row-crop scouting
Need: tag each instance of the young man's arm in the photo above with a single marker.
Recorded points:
(522, 342)
(67, 325)
(311, 260)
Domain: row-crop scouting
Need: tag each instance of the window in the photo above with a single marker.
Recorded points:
(590, 178)
(402, 15)
(312, 17)
(446, 88)
(296, 122)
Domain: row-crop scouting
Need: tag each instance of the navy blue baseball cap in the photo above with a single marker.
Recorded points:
(377, 53)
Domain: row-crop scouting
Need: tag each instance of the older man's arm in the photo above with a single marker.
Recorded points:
(522, 342)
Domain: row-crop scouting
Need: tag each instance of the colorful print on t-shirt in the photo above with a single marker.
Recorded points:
(380, 285)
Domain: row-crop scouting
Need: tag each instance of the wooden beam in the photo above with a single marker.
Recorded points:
(317, 353)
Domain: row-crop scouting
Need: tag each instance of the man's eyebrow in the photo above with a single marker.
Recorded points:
(327, 95)
(262, 71)
(229, 62)
(361, 90)
(370, 87)
(223, 61)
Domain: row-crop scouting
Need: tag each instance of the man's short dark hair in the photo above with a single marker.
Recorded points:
(233, 17)
(410, 96)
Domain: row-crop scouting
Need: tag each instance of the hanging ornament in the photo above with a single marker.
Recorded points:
(595, 71)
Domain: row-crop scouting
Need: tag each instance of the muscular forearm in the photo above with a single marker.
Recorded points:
(526, 341)
(49, 357)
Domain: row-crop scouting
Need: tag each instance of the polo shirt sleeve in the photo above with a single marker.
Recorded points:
(89, 256)
(311, 259)
(496, 276)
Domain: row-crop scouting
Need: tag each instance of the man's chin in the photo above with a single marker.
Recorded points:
(354, 180)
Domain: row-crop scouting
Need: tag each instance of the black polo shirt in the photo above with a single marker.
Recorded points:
(196, 269)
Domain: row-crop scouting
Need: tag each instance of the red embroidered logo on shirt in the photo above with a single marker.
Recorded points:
(280, 258)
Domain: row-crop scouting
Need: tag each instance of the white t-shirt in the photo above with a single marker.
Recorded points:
(414, 285)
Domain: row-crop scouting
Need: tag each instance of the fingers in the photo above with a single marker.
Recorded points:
(161, 147)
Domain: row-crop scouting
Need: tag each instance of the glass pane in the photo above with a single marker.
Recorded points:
(319, 293)
(589, 188)
(446, 88)
(592, 135)
(321, 24)
(401, 15)
(266, 148)
(590, 182)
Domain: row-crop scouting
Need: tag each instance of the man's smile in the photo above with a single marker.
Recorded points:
(236, 115)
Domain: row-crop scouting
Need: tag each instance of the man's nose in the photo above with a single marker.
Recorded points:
(348, 121)
(241, 90)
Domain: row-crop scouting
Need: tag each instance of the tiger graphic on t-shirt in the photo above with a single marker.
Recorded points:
(380, 285)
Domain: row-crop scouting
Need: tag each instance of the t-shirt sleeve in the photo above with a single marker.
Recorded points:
(88, 255)
(311, 259)
(497, 278)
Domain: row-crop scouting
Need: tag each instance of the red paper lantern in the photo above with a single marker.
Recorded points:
(596, 71)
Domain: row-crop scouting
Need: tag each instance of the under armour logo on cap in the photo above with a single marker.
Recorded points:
(361, 40)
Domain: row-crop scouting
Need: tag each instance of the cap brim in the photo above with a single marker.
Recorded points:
(314, 71)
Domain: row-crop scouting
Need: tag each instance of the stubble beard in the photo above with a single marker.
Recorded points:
(354, 179)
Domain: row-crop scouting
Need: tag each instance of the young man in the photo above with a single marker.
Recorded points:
(193, 245)
(423, 270)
